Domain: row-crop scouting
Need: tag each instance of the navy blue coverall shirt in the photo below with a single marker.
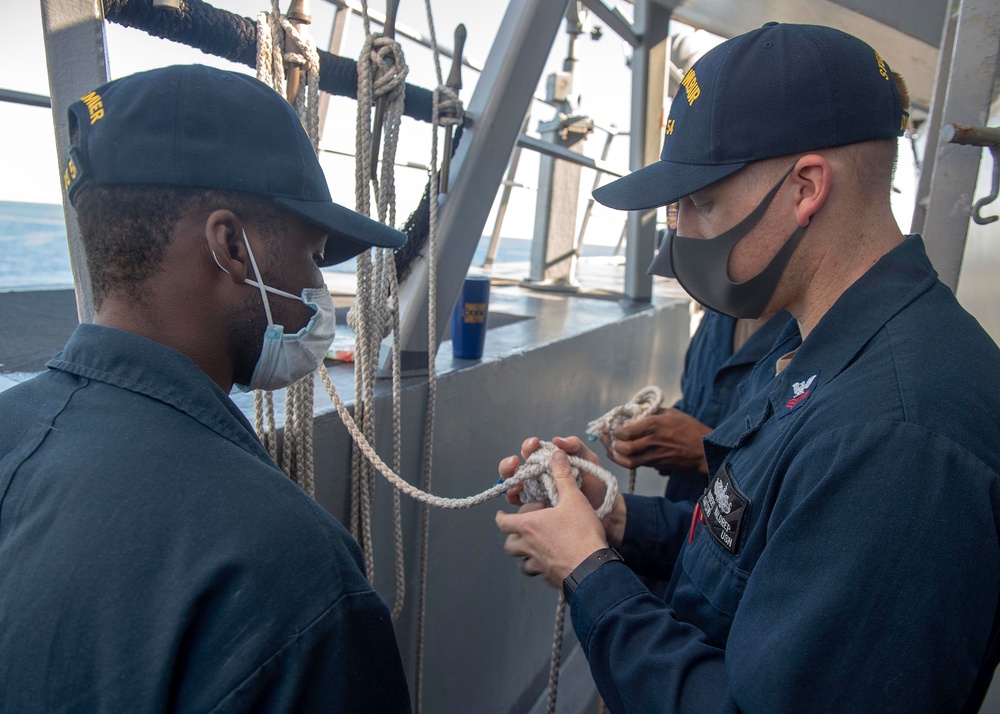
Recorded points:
(711, 379)
(845, 556)
(154, 559)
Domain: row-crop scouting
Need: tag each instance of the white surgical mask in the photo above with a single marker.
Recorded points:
(285, 359)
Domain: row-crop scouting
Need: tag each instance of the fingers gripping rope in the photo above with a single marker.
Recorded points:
(646, 402)
(540, 485)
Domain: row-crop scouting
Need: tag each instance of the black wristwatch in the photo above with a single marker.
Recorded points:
(592, 563)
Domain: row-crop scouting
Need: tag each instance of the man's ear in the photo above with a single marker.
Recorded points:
(224, 234)
(812, 178)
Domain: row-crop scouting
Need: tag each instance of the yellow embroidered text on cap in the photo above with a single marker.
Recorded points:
(95, 105)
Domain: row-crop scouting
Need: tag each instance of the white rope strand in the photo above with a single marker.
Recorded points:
(522, 475)
(646, 402)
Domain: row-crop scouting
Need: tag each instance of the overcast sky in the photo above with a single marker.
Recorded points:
(30, 173)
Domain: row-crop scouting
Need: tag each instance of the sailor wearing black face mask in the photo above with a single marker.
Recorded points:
(827, 567)
(153, 556)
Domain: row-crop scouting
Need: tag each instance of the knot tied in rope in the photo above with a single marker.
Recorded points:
(540, 485)
(646, 402)
(390, 69)
(447, 107)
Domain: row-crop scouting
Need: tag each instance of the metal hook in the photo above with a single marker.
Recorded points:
(985, 201)
(985, 136)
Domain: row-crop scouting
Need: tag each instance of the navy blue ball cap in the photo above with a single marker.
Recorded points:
(778, 90)
(200, 127)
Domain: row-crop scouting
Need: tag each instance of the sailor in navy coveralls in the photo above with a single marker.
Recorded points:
(845, 554)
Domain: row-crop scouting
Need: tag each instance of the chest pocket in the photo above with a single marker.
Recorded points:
(709, 588)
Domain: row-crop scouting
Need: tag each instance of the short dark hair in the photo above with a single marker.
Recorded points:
(125, 230)
(872, 163)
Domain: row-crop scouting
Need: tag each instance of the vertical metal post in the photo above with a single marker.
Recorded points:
(493, 117)
(649, 62)
(967, 97)
(76, 56)
(341, 21)
(932, 126)
(508, 185)
(553, 240)
(589, 210)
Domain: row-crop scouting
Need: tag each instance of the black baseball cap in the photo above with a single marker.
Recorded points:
(778, 90)
(201, 127)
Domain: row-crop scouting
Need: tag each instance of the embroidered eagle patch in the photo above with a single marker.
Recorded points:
(800, 392)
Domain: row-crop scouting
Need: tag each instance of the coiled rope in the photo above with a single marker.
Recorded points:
(645, 403)
(273, 29)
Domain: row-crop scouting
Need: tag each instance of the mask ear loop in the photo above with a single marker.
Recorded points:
(260, 286)
(256, 284)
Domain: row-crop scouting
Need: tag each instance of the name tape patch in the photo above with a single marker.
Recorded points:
(725, 509)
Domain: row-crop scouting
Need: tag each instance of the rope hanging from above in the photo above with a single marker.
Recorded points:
(381, 71)
(274, 33)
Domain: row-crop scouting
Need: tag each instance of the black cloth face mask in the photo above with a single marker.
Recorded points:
(701, 266)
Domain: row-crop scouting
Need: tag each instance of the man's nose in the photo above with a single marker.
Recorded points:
(686, 226)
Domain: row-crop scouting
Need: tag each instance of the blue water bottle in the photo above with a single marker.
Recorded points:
(468, 321)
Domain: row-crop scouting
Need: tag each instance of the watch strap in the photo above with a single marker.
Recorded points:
(594, 561)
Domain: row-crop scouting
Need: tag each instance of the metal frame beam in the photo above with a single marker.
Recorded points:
(493, 117)
(969, 91)
(547, 148)
(932, 126)
(76, 56)
(31, 100)
(617, 22)
(649, 67)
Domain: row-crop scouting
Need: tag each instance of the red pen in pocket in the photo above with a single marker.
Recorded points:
(695, 517)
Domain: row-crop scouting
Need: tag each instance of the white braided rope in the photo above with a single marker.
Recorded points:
(451, 101)
(540, 484)
(646, 402)
(557, 640)
(522, 475)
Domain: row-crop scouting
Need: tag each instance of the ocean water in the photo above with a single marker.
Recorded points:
(34, 254)
(33, 250)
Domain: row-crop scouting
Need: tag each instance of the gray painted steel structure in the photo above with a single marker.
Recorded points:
(649, 78)
(77, 62)
(971, 74)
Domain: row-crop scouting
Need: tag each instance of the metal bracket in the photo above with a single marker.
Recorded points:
(987, 137)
